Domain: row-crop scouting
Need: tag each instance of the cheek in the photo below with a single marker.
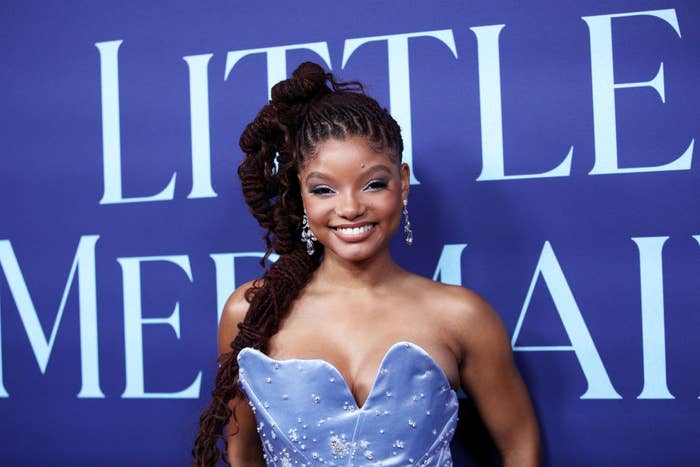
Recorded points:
(309, 202)
(316, 209)
(390, 207)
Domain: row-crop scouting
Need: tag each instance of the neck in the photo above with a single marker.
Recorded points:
(371, 274)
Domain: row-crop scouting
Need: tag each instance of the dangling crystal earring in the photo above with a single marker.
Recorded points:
(307, 236)
(408, 233)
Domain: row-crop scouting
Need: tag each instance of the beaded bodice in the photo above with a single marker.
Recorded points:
(307, 415)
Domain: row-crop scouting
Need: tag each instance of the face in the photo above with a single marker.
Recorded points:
(353, 198)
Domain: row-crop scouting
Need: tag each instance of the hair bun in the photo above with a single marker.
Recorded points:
(308, 81)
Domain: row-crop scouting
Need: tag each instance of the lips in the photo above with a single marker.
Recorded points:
(353, 232)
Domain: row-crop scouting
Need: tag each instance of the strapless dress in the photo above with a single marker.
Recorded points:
(307, 415)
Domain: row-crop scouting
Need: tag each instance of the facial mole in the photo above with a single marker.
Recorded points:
(362, 166)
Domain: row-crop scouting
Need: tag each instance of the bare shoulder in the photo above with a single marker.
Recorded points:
(456, 301)
(233, 313)
(466, 316)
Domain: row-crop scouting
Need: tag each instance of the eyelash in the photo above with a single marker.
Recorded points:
(321, 190)
(377, 184)
(373, 185)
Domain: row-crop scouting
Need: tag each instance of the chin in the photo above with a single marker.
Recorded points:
(355, 252)
(358, 257)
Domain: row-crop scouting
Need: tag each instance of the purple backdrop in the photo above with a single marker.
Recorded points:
(555, 173)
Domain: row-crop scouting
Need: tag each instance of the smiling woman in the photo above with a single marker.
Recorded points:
(352, 196)
(337, 355)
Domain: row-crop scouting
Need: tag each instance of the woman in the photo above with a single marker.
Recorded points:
(330, 358)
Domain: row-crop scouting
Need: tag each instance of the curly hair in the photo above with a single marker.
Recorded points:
(303, 113)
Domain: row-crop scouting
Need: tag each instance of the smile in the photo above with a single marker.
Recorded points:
(354, 233)
(354, 230)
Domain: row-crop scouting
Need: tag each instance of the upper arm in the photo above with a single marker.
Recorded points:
(233, 313)
(488, 373)
(244, 446)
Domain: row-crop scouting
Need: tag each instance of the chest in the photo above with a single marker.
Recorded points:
(304, 410)
(355, 341)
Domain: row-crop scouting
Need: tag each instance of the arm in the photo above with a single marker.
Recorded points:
(244, 448)
(488, 373)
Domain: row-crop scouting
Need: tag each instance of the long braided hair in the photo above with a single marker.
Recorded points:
(304, 112)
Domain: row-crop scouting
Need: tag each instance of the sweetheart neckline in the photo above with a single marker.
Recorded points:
(377, 373)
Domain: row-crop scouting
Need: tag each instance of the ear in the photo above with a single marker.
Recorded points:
(405, 174)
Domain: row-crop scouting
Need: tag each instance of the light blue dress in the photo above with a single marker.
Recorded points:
(307, 415)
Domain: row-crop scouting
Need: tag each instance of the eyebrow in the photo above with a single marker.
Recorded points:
(369, 171)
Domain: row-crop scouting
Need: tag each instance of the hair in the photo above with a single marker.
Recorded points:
(303, 113)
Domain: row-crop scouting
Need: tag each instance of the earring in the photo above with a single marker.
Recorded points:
(408, 233)
(307, 236)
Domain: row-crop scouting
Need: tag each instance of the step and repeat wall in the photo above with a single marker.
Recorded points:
(554, 161)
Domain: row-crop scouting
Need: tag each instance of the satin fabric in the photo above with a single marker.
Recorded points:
(307, 415)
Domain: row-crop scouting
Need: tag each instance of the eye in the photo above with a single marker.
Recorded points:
(378, 184)
(321, 190)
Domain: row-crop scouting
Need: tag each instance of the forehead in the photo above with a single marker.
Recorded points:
(353, 153)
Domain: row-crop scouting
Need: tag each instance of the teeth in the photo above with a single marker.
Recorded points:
(355, 230)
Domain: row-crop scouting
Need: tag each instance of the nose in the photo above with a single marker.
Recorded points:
(349, 206)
